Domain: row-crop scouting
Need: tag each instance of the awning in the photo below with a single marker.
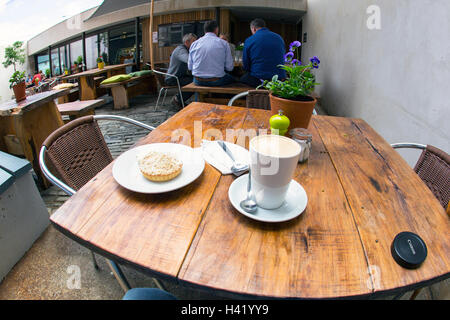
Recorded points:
(109, 6)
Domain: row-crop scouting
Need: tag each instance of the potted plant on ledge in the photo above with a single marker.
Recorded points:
(15, 54)
(100, 63)
(292, 95)
(17, 83)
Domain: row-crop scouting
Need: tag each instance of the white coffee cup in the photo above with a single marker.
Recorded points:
(273, 162)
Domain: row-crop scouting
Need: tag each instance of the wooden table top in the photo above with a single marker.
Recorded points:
(12, 107)
(234, 88)
(97, 71)
(361, 194)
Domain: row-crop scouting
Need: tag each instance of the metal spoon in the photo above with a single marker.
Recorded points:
(237, 168)
(249, 204)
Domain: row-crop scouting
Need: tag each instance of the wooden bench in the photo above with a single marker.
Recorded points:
(77, 109)
(124, 90)
(210, 94)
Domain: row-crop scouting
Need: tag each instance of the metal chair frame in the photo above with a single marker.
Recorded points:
(408, 145)
(244, 94)
(116, 270)
(165, 88)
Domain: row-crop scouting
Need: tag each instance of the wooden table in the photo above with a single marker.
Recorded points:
(25, 125)
(361, 193)
(86, 82)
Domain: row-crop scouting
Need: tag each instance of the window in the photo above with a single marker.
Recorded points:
(104, 52)
(91, 52)
(76, 50)
(63, 58)
(56, 68)
(172, 34)
(43, 62)
(122, 44)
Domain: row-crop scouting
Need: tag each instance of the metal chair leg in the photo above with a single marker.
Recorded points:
(159, 284)
(94, 261)
(415, 294)
(164, 98)
(181, 94)
(157, 101)
(118, 274)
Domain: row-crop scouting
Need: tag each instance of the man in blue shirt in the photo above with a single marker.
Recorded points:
(210, 57)
(263, 53)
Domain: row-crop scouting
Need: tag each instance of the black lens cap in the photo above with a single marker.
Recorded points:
(408, 250)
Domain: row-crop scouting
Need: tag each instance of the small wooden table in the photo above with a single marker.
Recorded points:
(25, 125)
(86, 79)
(361, 194)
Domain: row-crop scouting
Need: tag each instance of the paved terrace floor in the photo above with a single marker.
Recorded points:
(46, 269)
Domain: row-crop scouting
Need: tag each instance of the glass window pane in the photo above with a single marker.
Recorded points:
(104, 52)
(91, 52)
(56, 69)
(43, 62)
(122, 44)
(76, 50)
(62, 52)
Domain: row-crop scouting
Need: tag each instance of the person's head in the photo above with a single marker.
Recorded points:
(257, 24)
(225, 36)
(188, 39)
(211, 26)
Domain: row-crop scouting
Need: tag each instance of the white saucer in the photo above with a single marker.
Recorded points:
(293, 206)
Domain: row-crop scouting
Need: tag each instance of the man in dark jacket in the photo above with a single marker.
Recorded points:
(178, 67)
(263, 53)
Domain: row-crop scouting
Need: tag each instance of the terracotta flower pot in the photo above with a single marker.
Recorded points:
(298, 112)
(19, 91)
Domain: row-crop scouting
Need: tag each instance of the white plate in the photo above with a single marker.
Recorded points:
(127, 173)
(293, 206)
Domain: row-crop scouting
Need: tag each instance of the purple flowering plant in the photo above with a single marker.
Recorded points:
(300, 81)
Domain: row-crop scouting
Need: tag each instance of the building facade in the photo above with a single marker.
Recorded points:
(118, 31)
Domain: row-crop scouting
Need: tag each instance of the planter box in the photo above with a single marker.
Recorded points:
(23, 215)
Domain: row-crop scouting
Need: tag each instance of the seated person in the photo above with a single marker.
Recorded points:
(226, 37)
(39, 76)
(209, 57)
(263, 53)
(178, 67)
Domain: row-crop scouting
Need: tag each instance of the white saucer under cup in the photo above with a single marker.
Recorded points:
(293, 205)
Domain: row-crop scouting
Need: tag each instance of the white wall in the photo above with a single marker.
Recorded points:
(397, 78)
(5, 73)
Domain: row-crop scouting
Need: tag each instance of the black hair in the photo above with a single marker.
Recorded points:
(210, 26)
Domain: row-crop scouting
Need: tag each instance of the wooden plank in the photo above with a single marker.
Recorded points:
(387, 197)
(77, 107)
(318, 255)
(234, 88)
(96, 71)
(12, 107)
(150, 232)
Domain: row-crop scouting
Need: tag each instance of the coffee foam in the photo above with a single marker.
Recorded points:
(275, 146)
